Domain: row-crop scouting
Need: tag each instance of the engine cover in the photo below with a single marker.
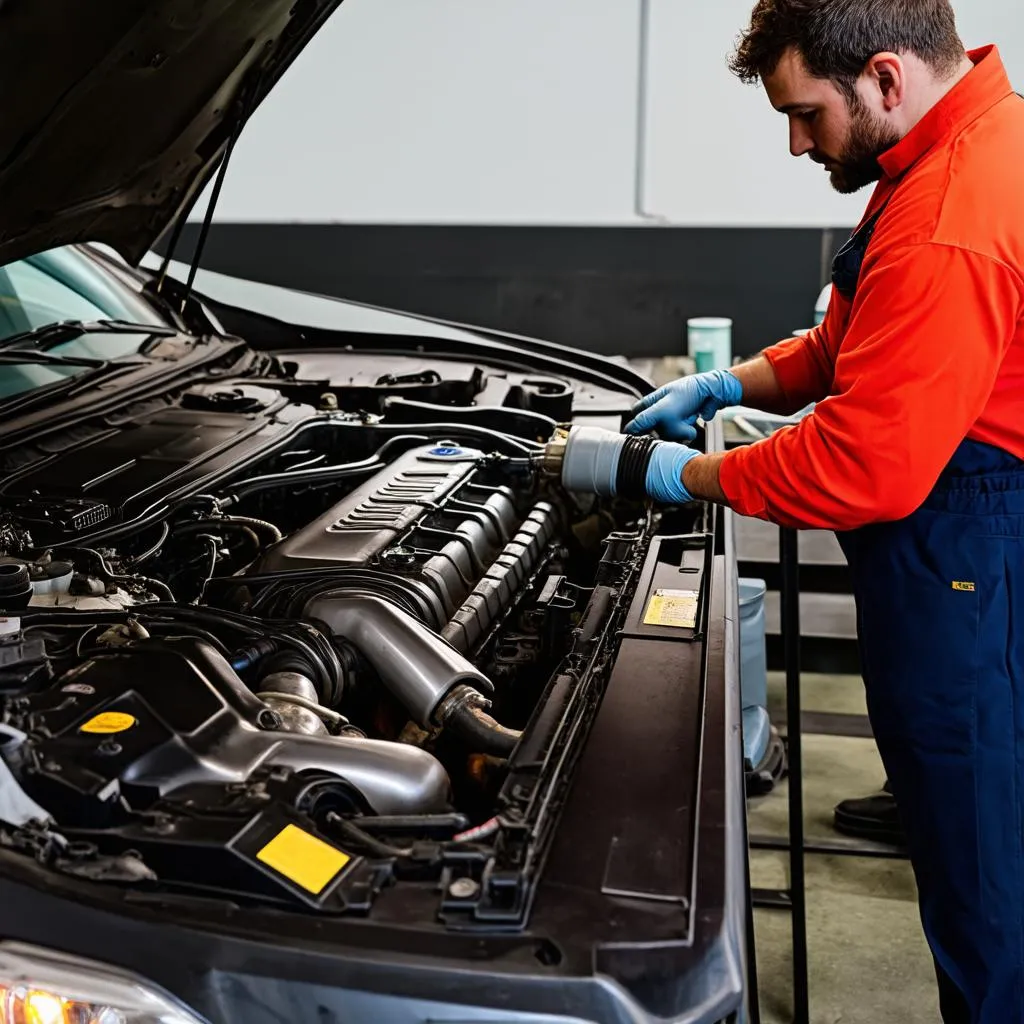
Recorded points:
(137, 724)
(464, 546)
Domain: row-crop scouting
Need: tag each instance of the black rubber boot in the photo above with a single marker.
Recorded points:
(871, 817)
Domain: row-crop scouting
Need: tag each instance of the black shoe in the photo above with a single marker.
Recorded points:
(871, 817)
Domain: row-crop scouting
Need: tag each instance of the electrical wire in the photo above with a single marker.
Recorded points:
(370, 843)
(214, 549)
(151, 551)
(488, 828)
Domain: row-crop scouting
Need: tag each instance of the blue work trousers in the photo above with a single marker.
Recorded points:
(940, 617)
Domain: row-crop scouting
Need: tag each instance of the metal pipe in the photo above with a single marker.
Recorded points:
(294, 699)
(418, 666)
(395, 778)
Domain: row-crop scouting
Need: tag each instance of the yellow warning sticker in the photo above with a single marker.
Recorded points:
(674, 608)
(967, 588)
(303, 859)
(109, 722)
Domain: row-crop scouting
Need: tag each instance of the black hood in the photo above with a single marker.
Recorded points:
(116, 113)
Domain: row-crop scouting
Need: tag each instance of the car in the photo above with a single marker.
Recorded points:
(321, 697)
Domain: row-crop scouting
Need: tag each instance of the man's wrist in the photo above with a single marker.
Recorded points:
(701, 478)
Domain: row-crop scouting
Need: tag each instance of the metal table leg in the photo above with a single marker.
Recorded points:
(790, 594)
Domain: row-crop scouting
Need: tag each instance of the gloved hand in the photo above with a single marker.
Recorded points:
(601, 462)
(664, 481)
(673, 410)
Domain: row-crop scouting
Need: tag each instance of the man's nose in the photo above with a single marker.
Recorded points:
(801, 141)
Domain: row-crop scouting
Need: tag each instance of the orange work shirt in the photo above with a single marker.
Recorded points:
(931, 350)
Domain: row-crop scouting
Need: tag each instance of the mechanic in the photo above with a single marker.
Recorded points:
(914, 451)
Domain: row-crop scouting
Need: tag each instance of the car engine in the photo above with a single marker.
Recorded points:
(366, 655)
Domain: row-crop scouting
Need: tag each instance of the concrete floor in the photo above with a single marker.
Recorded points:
(869, 963)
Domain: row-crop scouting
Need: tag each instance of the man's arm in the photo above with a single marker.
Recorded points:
(917, 367)
(761, 387)
(701, 478)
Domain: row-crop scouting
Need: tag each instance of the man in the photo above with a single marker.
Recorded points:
(914, 453)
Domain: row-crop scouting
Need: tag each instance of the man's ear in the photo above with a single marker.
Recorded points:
(886, 74)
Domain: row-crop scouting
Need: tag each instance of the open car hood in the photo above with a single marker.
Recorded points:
(116, 114)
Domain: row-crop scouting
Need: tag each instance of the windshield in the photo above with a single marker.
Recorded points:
(63, 284)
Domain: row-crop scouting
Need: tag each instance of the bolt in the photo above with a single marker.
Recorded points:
(463, 888)
(109, 748)
(269, 720)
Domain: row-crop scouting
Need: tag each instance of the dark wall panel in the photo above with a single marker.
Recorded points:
(622, 291)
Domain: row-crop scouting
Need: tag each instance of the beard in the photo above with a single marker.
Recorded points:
(868, 139)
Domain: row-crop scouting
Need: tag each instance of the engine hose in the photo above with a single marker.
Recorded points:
(165, 529)
(249, 524)
(631, 477)
(293, 662)
(463, 714)
(235, 523)
(269, 529)
(319, 474)
(453, 431)
(214, 551)
(375, 847)
(325, 659)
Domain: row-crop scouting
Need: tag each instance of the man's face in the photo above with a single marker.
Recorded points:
(845, 137)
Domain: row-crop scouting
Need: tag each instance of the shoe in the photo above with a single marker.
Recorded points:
(871, 817)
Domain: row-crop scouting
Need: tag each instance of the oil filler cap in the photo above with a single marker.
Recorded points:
(452, 453)
(108, 723)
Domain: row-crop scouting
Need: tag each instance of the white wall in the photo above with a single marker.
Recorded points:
(449, 111)
(525, 111)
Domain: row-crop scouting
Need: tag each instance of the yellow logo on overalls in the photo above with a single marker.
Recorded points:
(967, 588)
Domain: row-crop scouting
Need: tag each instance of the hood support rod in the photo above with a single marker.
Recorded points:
(208, 217)
(246, 104)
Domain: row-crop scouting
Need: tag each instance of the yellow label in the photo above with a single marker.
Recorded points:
(303, 859)
(966, 587)
(674, 608)
(108, 722)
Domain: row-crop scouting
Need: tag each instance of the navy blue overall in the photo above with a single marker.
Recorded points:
(940, 616)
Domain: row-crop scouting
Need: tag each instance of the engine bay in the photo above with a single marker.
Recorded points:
(290, 646)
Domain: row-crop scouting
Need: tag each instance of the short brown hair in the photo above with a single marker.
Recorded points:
(837, 38)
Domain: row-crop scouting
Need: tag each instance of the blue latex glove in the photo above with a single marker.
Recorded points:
(673, 410)
(665, 473)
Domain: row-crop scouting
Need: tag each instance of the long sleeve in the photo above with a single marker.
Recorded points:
(805, 366)
(930, 328)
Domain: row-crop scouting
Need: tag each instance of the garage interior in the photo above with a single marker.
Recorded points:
(307, 454)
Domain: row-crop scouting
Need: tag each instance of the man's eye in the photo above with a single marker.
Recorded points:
(808, 115)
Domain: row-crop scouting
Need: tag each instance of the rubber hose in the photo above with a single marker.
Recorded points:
(481, 733)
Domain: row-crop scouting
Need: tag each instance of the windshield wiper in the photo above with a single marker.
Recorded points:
(49, 335)
(48, 359)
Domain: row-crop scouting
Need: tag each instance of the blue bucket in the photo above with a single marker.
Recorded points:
(754, 671)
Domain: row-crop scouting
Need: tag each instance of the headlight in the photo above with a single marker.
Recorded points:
(40, 986)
